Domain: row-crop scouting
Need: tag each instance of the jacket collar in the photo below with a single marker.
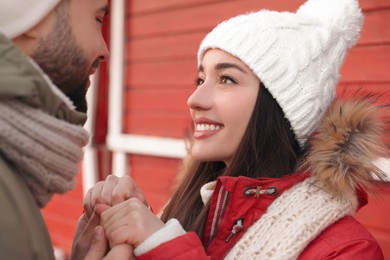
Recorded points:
(243, 183)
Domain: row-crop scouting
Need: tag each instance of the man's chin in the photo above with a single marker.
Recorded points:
(78, 97)
(82, 107)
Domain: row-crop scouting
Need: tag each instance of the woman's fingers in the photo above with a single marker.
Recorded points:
(112, 191)
(109, 185)
(129, 222)
(125, 189)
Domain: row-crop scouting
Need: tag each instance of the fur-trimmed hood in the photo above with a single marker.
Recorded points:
(351, 138)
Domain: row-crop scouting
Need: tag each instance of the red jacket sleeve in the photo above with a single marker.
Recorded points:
(184, 247)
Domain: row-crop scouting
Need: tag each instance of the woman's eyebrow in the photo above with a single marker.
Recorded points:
(221, 66)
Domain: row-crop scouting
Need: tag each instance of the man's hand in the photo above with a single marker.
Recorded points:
(83, 235)
(99, 248)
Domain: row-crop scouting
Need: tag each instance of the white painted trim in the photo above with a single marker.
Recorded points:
(147, 145)
(115, 109)
(116, 68)
(119, 164)
(90, 169)
(89, 164)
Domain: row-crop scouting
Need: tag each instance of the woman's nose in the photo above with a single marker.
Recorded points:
(201, 98)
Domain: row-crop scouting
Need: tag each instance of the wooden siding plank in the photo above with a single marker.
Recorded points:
(171, 47)
(163, 125)
(177, 74)
(370, 5)
(367, 64)
(158, 100)
(199, 18)
(382, 89)
(138, 7)
(376, 29)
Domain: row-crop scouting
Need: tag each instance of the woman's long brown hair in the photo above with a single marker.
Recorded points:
(268, 149)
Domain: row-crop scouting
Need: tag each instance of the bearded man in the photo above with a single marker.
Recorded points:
(49, 49)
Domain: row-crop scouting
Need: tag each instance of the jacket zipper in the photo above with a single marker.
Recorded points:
(220, 207)
(237, 227)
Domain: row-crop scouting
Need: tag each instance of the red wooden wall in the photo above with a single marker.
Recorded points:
(162, 41)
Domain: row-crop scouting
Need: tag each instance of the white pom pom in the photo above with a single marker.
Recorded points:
(345, 16)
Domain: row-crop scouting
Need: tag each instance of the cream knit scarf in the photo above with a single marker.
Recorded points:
(45, 150)
(291, 222)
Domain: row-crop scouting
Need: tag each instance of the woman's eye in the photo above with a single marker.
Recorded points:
(199, 81)
(227, 80)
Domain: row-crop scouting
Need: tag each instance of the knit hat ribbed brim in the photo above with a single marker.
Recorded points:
(297, 56)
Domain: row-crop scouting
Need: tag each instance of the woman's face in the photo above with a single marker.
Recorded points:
(221, 106)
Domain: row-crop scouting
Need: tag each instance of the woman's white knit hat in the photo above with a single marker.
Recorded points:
(296, 55)
(18, 16)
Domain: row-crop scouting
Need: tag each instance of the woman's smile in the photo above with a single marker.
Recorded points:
(204, 127)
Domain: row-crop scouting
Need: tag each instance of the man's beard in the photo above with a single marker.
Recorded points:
(64, 62)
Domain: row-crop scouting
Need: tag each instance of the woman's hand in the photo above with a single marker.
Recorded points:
(112, 191)
(128, 222)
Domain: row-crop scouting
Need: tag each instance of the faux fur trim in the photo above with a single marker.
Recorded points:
(350, 139)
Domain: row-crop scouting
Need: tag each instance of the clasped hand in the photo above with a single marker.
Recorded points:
(115, 211)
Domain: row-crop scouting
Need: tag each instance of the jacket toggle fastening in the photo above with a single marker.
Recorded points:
(238, 226)
(260, 191)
